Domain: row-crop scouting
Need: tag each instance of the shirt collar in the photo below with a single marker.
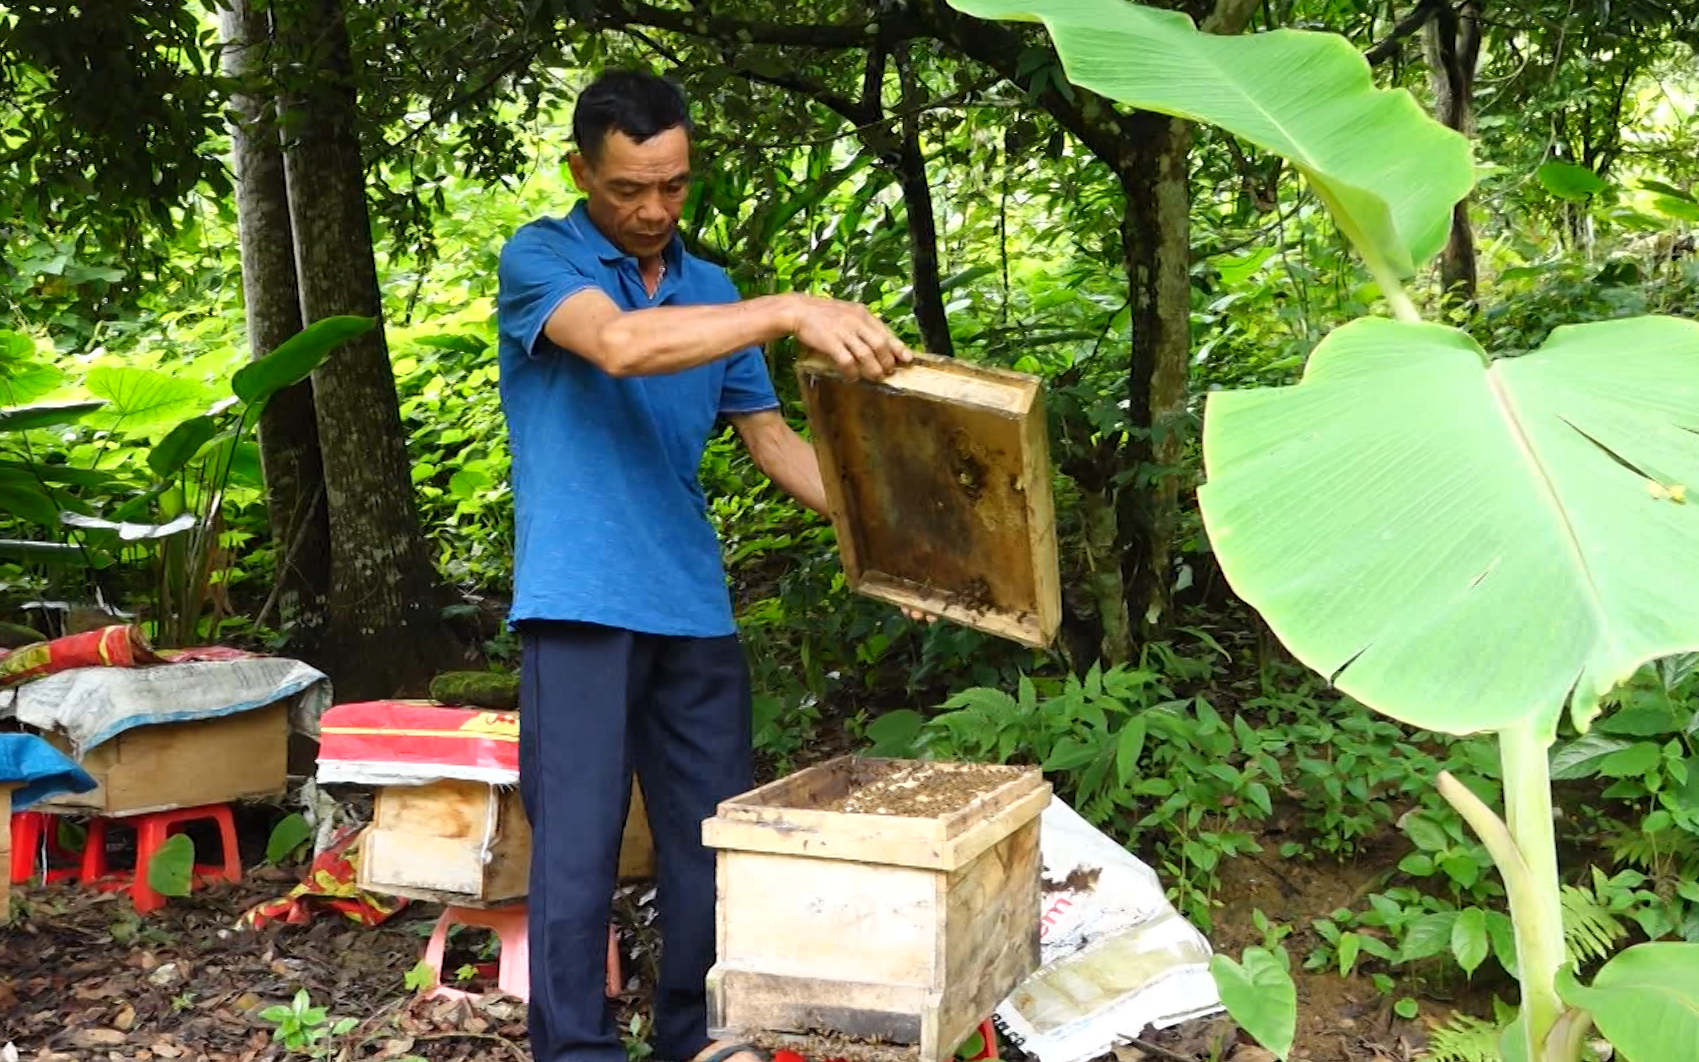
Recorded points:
(579, 219)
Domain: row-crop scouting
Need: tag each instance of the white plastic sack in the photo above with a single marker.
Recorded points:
(1117, 957)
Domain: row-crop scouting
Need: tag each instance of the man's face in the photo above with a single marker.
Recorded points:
(636, 191)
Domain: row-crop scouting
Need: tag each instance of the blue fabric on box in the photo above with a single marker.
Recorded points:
(39, 769)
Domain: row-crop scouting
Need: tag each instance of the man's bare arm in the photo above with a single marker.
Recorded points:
(784, 457)
(667, 339)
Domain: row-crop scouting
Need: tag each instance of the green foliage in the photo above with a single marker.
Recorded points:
(1466, 1038)
(287, 838)
(304, 1028)
(1259, 994)
(172, 866)
(1389, 173)
(1645, 1001)
(1534, 463)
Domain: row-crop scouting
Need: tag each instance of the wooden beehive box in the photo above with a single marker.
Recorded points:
(844, 913)
(6, 852)
(183, 765)
(468, 843)
(939, 482)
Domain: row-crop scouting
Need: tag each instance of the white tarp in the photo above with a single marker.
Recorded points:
(1117, 957)
(92, 705)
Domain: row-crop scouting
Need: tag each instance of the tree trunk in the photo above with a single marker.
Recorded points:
(1156, 236)
(386, 635)
(288, 432)
(922, 219)
(1452, 41)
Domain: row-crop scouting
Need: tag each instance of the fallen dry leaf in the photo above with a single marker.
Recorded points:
(96, 1037)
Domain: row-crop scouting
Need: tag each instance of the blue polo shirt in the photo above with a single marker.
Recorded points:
(612, 525)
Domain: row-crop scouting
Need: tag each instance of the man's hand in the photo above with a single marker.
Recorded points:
(847, 332)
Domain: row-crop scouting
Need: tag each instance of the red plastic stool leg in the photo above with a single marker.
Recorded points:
(26, 829)
(31, 831)
(232, 869)
(511, 926)
(616, 979)
(513, 972)
(151, 831)
(94, 852)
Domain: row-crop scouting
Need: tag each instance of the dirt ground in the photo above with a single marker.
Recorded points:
(83, 978)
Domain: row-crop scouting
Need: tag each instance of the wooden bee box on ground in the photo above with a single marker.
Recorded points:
(182, 765)
(940, 486)
(468, 843)
(886, 901)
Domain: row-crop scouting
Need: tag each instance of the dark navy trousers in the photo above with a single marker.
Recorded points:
(597, 702)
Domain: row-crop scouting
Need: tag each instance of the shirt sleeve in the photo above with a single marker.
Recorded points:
(747, 388)
(532, 280)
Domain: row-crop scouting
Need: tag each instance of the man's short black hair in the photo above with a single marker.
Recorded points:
(638, 104)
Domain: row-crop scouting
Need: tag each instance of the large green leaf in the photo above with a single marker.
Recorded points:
(139, 398)
(1389, 173)
(180, 445)
(1260, 996)
(30, 502)
(1566, 180)
(171, 869)
(28, 552)
(295, 358)
(45, 415)
(1645, 1001)
(1462, 543)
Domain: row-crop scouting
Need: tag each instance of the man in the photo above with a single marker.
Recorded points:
(619, 351)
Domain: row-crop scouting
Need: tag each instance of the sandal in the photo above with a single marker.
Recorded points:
(733, 1050)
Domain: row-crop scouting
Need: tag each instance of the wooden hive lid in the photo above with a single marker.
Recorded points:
(939, 482)
(795, 816)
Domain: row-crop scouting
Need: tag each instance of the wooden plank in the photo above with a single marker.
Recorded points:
(418, 861)
(990, 932)
(939, 483)
(431, 837)
(809, 918)
(507, 875)
(469, 840)
(765, 820)
(1003, 815)
(449, 808)
(6, 852)
(174, 765)
(744, 1003)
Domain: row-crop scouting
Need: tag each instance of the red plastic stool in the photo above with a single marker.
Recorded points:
(152, 830)
(30, 830)
(513, 972)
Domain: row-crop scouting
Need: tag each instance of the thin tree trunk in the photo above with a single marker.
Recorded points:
(1156, 235)
(387, 637)
(288, 431)
(1452, 41)
(922, 219)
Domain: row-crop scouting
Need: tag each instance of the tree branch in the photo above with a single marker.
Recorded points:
(825, 36)
(1230, 17)
(1405, 27)
(1091, 118)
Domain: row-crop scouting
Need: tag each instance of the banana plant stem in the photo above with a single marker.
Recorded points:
(1525, 851)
